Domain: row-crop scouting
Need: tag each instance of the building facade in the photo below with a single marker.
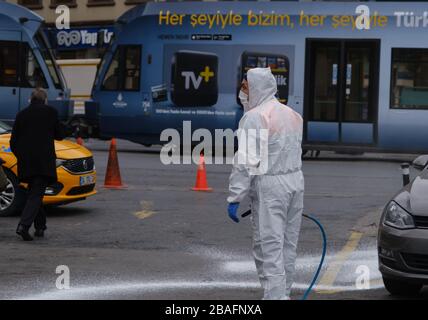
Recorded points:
(87, 18)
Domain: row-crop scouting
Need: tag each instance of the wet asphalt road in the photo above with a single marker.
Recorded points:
(156, 239)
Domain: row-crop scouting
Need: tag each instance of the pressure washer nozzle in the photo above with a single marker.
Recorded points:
(246, 213)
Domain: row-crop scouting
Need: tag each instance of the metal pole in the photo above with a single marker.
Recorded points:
(406, 173)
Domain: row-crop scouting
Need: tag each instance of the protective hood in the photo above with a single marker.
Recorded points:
(261, 85)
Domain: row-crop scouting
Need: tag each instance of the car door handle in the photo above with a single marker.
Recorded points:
(14, 91)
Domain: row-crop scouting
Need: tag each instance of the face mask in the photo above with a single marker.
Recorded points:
(243, 97)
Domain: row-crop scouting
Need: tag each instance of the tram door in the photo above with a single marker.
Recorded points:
(341, 91)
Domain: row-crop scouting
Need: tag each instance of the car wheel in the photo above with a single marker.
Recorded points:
(401, 288)
(12, 199)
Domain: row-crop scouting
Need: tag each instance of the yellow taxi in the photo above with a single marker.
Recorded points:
(75, 170)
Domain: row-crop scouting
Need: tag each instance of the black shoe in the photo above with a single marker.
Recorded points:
(23, 232)
(40, 233)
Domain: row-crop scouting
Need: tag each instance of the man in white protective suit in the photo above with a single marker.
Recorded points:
(272, 179)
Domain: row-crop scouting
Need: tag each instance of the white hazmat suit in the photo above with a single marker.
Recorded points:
(277, 194)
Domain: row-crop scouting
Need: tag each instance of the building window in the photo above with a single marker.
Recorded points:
(130, 2)
(94, 3)
(31, 4)
(409, 81)
(68, 3)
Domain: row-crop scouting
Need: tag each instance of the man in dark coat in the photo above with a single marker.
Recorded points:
(32, 142)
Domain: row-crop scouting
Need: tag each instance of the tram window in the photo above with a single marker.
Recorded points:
(358, 83)
(32, 76)
(132, 68)
(324, 91)
(111, 79)
(279, 64)
(49, 60)
(124, 71)
(9, 61)
(409, 81)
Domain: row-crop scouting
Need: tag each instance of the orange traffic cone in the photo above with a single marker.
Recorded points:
(112, 178)
(79, 141)
(201, 176)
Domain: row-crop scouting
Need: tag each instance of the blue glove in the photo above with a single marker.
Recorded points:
(232, 209)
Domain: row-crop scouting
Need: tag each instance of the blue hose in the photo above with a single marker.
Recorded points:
(324, 250)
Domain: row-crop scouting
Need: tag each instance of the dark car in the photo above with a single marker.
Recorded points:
(403, 236)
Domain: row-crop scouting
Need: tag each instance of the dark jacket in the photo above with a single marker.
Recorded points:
(32, 141)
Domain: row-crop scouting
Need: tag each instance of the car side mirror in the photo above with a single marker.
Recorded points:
(420, 162)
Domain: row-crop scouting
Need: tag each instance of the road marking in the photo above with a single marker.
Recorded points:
(147, 210)
(336, 265)
(366, 225)
(376, 283)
